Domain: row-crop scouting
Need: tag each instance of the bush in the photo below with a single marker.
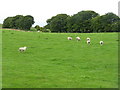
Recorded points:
(46, 30)
(37, 27)
(33, 29)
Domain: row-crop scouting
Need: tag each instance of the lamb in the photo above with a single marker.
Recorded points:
(78, 38)
(22, 49)
(69, 38)
(101, 42)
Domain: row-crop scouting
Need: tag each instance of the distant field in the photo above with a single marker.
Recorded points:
(51, 61)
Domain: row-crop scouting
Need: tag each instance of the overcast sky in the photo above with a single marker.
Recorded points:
(42, 10)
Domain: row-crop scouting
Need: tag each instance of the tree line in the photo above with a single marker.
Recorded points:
(19, 22)
(82, 22)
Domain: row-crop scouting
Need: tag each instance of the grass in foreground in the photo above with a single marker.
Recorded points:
(51, 61)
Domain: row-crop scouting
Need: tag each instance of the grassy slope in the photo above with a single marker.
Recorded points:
(54, 62)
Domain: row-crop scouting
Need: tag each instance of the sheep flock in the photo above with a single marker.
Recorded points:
(87, 40)
(22, 49)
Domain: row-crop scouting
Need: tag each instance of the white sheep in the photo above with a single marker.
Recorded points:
(78, 38)
(101, 42)
(88, 41)
(69, 38)
(22, 49)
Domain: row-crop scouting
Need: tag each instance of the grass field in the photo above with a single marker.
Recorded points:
(51, 61)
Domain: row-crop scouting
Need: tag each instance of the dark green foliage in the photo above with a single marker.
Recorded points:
(19, 22)
(105, 23)
(46, 30)
(58, 23)
(27, 22)
(84, 22)
(115, 27)
(8, 22)
(39, 28)
(33, 29)
(80, 22)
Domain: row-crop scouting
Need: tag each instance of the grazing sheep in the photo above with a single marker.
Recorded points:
(69, 38)
(38, 31)
(88, 41)
(78, 38)
(101, 42)
(22, 49)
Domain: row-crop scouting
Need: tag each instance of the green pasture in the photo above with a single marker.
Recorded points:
(51, 61)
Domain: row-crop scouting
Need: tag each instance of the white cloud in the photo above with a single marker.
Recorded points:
(42, 10)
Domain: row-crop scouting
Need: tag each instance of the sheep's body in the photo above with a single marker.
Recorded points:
(101, 42)
(22, 49)
(78, 38)
(69, 38)
(88, 41)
